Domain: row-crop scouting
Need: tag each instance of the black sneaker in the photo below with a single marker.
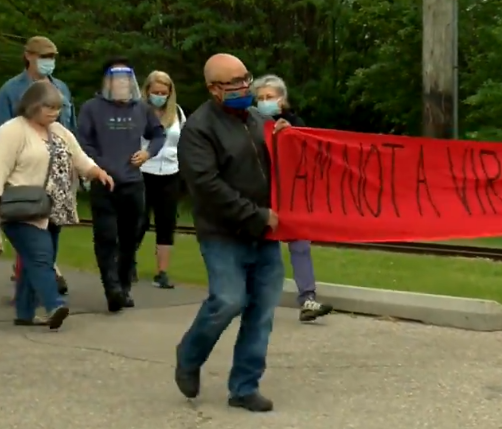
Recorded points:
(62, 285)
(115, 301)
(128, 300)
(187, 381)
(162, 281)
(254, 402)
(56, 317)
(311, 310)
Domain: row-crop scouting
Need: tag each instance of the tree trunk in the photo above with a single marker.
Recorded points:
(438, 68)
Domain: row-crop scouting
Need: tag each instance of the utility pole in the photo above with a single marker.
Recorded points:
(439, 68)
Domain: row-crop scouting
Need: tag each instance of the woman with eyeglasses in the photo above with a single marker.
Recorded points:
(37, 152)
(40, 54)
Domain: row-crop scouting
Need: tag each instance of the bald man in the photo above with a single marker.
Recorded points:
(225, 163)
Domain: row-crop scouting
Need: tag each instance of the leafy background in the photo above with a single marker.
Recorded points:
(349, 64)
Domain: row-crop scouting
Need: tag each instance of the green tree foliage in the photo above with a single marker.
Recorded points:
(350, 64)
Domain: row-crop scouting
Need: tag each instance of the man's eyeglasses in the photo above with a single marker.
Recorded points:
(247, 79)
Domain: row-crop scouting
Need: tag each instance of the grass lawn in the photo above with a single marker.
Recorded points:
(429, 274)
(185, 219)
(495, 242)
(438, 275)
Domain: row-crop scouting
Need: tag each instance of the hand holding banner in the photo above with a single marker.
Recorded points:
(332, 185)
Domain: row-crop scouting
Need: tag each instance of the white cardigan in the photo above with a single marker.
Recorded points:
(166, 161)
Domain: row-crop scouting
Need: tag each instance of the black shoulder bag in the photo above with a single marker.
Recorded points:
(27, 203)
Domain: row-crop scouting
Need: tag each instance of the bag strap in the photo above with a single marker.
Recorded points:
(181, 116)
(50, 143)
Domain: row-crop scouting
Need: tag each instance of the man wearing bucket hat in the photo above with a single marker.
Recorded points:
(39, 64)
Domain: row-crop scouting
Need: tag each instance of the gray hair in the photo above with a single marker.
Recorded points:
(272, 81)
(39, 94)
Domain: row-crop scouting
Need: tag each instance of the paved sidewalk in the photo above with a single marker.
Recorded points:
(115, 372)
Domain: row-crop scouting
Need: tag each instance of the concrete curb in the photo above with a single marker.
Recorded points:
(454, 312)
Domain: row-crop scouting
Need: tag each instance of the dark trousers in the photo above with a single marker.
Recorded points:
(246, 280)
(161, 197)
(115, 216)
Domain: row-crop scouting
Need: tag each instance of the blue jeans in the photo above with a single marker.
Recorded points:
(303, 269)
(37, 249)
(244, 279)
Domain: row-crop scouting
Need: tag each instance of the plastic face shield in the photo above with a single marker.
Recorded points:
(120, 84)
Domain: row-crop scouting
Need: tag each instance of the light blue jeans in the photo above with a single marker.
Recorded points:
(245, 279)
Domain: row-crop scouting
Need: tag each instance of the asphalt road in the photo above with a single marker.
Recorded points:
(116, 372)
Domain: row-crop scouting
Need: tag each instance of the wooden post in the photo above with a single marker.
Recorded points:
(438, 72)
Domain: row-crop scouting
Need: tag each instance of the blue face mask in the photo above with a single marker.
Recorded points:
(46, 66)
(242, 102)
(158, 100)
(269, 107)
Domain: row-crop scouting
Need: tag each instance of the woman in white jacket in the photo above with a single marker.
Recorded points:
(161, 173)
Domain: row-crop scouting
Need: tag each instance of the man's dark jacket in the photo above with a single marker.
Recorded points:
(225, 164)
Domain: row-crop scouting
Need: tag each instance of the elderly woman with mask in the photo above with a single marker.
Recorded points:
(272, 100)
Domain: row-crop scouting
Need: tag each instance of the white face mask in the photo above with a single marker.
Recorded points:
(46, 66)
(269, 107)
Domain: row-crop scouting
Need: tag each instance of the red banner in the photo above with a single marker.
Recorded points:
(332, 185)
